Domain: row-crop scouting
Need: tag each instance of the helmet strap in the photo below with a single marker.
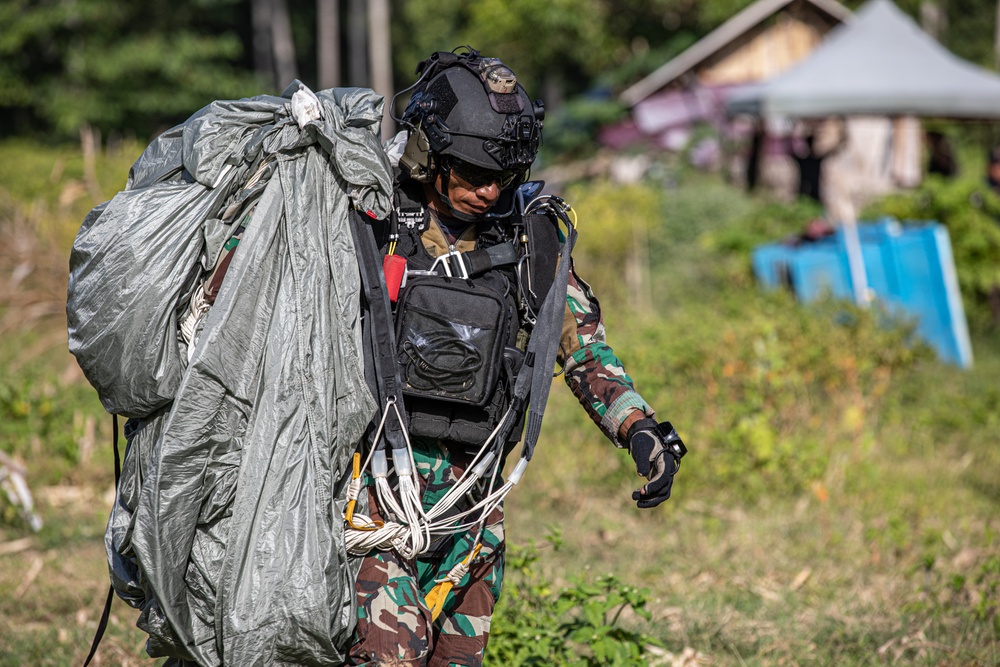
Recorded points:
(445, 171)
(493, 214)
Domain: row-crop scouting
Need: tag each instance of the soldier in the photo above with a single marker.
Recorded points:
(462, 324)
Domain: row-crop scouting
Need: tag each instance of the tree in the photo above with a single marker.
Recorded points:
(969, 29)
(380, 50)
(263, 52)
(328, 43)
(273, 44)
(357, 60)
(140, 66)
(558, 47)
(130, 67)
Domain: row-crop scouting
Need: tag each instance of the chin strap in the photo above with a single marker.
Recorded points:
(465, 217)
(446, 200)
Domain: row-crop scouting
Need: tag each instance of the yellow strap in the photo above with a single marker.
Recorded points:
(356, 473)
(352, 503)
(436, 598)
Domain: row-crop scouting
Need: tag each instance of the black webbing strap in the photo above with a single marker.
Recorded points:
(379, 325)
(536, 374)
(106, 614)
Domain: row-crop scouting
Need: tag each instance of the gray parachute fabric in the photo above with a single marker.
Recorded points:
(227, 529)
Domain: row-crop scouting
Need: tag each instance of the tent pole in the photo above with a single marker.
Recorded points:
(855, 258)
(840, 207)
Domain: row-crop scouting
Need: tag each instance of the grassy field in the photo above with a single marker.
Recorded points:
(839, 505)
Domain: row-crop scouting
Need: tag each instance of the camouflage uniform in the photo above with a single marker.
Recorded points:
(394, 624)
(593, 372)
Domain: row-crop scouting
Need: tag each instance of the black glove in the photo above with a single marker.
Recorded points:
(657, 450)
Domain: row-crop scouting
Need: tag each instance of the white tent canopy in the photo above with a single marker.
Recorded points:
(880, 63)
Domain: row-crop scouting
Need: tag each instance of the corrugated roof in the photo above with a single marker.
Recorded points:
(711, 43)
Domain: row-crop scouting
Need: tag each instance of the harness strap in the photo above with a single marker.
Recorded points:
(485, 259)
(473, 263)
(535, 378)
(380, 329)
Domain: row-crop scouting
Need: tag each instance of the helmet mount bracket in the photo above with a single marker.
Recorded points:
(417, 161)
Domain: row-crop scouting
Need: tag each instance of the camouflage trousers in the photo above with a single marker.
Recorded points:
(394, 624)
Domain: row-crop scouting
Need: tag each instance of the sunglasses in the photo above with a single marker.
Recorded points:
(478, 177)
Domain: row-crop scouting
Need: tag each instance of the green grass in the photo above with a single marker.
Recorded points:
(839, 505)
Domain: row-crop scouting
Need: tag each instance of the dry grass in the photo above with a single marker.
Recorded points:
(33, 273)
(53, 585)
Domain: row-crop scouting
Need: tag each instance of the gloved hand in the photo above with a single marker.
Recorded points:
(657, 450)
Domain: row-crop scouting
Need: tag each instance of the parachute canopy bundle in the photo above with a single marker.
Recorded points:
(246, 403)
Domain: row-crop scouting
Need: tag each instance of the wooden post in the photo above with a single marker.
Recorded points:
(328, 43)
(90, 144)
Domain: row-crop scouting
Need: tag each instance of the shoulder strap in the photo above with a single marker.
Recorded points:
(380, 330)
(541, 354)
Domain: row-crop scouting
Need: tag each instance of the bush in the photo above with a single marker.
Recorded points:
(770, 391)
(578, 625)
(770, 222)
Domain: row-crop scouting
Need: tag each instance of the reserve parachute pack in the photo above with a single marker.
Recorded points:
(461, 337)
(241, 398)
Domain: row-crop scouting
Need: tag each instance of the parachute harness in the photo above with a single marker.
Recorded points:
(408, 528)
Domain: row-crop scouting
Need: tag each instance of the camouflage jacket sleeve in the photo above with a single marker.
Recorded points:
(593, 372)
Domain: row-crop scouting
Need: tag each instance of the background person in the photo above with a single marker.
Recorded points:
(809, 159)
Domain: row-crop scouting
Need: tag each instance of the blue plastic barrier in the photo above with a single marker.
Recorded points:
(909, 269)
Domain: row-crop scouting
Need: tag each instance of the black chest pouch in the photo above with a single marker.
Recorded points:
(450, 337)
(457, 335)
(454, 344)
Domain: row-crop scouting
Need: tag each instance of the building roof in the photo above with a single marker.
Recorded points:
(880, 63)
(718, 39)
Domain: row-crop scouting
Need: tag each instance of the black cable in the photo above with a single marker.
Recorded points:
(434, 366)
(106, 614)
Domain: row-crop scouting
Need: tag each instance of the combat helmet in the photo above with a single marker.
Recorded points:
(470, 110)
